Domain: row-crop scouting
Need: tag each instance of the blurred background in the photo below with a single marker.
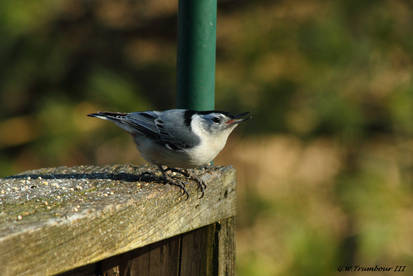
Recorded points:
(325, 168)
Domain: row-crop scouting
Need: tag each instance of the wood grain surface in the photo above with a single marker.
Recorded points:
(57, 219)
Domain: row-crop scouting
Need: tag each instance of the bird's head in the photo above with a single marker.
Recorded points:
(219, 122)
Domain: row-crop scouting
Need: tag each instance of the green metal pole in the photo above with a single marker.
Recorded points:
(196, 54)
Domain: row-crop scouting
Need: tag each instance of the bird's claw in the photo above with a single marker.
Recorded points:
(202, 187)
(177, 183)
(201, 184)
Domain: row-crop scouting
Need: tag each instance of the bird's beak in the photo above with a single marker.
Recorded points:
(236, 119)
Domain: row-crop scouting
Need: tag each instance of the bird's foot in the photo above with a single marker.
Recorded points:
(180, 184)
(190, 174)
(175, 182)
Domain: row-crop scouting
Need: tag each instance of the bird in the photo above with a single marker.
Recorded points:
(179, 139)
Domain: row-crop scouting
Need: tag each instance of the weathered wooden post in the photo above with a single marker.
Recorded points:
(115, 220)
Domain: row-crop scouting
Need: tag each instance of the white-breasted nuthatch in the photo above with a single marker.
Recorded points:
(177, 138)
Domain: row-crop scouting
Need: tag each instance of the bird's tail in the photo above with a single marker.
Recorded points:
(120, 119)
(112, 116)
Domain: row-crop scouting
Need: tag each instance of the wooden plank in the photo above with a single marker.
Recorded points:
(160, 259)
(209, 250)
(54, 220)
(226, 247)
(197, 257)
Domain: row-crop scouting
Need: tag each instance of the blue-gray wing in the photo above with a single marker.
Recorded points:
(165, 128)
(144, 123)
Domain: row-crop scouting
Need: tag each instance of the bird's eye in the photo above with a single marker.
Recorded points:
(216, 120)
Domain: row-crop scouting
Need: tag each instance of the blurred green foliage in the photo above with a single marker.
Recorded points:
(334, 78)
